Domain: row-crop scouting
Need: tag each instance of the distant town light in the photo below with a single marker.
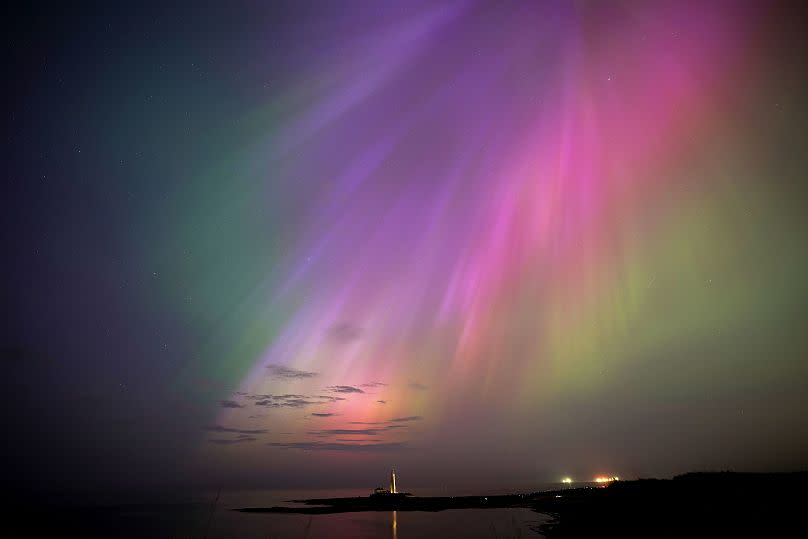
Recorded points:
(566, 480)
(605, 479)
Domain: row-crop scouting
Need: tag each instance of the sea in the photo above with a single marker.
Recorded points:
(212, 515)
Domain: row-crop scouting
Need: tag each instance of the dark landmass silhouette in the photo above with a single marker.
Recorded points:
(396, 502)
(723, 504)
(694, 504)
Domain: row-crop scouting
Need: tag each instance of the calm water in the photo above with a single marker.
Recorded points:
(200, 518)
(470, 523)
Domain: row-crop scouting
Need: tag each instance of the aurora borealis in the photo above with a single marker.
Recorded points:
(493, 242)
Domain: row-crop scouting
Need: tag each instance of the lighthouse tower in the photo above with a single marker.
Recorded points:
(393, 482)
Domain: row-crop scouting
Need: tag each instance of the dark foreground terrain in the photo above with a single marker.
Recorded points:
(691, 505)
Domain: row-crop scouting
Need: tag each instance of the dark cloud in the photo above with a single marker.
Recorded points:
(286, 403)
(344, 332)
(230, 404)
(219, 428)
(344, 389)
(323, 414)
(325, 446)
(291, 400)
(279, 371)
(382, 402)
(374, 384)
(371, 431)
(330, 398)
(239, 440)
(405, 419)
(367, 422)
(332, 432)
(418, 386)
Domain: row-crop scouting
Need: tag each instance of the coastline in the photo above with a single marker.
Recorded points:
(403, 503)
(735, 504)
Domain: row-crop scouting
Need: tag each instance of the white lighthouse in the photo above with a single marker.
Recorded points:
(393, 489)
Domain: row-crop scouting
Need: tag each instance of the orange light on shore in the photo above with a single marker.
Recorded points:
(604, 479)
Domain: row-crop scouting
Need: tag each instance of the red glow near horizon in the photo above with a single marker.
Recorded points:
(603, 479)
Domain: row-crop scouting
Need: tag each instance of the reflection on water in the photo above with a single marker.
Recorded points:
(196, 522)
(467, 523)
(215, 519)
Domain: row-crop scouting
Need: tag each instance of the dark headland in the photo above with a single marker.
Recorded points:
(695, 504)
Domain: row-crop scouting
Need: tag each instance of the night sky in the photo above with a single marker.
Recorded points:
(487, 243)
